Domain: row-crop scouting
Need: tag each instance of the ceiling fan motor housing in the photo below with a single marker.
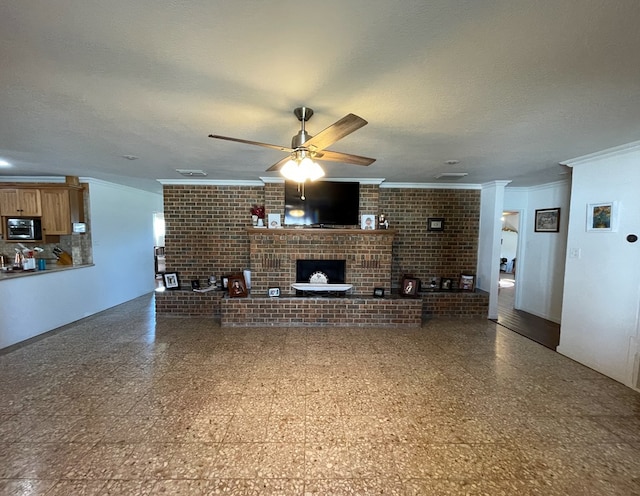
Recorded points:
(299, 139)
(303, 114)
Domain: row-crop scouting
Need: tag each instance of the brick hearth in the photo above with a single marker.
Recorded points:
(335, 312)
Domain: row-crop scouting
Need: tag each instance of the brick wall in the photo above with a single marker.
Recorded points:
(206, 233)
(369, 199)
(455, 304)
(189, 303)
(274, 199)
(425, 254)
(206, 229)
(351, 312)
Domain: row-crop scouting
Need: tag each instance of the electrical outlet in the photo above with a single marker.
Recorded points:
(575, 253)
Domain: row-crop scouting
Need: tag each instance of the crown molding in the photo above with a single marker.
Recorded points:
(209, 182)
(109, 184)
(555, 184)
(272, 179)
(431, 185)
(495, 183)
(634, 146)
(32, 179)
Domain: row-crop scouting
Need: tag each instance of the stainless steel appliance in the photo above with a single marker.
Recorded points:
(24, 229)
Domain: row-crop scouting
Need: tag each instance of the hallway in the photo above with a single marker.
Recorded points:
(540, 330)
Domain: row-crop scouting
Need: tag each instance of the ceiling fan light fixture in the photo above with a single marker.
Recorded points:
(301, 170)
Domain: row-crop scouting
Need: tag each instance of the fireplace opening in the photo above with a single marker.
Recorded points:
(333, 269)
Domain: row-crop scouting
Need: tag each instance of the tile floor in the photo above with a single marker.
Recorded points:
(122, 403)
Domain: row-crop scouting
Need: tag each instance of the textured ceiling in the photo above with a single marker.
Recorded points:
(508, 88)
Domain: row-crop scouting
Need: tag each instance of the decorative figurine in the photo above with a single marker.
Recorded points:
(383, 223)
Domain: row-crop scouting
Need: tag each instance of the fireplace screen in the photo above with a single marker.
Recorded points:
(331, 270)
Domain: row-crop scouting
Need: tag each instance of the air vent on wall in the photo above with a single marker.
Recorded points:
(191, 173)
(451, 175)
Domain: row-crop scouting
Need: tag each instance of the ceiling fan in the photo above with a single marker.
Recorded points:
(299, 165)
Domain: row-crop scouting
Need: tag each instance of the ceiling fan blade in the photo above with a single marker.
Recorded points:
(346, 158)
(278, 164)
(338, 130)
(257, 143)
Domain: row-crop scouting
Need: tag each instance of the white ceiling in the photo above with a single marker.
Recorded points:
(509, 88)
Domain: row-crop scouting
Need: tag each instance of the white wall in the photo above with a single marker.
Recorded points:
(541, 258)
(122, 231)
(488, 271)
(542, 266)
(602, 277)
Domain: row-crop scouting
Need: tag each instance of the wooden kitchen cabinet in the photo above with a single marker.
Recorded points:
(20, 202)
(61, 207)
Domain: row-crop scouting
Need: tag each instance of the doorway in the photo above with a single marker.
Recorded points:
(542, 331)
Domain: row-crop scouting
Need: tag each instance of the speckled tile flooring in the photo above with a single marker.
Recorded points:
(124, 404)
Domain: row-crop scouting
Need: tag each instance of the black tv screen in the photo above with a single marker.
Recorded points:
(326, 203)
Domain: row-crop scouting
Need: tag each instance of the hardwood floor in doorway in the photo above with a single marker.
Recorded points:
(540, 330)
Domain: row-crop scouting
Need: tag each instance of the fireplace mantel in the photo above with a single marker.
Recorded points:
(273, 255)
(288, 231)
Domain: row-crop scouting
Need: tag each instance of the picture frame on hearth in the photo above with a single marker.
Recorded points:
(446, 283)
(378, 292)
(171, 280)
(225, 282)
(467, 282)
(273, 292)
(409, 286)
(237, 286)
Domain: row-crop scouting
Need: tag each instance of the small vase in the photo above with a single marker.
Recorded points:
(260, 222)
(254, 219)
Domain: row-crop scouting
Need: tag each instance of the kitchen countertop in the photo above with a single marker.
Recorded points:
(6, 275)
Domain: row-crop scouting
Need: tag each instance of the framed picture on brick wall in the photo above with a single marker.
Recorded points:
(435, 224)
(446, 283)
(409, 286)
(467, 282)
(368, 222)
(237, 286)
(171, 280)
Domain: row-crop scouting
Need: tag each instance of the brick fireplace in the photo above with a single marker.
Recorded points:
(208, 233)
(274, 254)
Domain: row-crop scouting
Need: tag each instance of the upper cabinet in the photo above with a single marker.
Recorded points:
(61, 207)
(57, 205)
(19, 202)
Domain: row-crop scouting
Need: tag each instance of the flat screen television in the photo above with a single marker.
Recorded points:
(325, 203)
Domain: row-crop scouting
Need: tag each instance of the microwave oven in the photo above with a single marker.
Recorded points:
(24, 229)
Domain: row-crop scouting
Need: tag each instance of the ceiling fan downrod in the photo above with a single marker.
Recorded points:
(303, 114)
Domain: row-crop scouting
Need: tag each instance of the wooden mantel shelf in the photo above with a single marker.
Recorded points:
(308, 230)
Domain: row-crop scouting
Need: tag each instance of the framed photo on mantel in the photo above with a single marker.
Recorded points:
(237, 286)
(171, 280)
(467, 282)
